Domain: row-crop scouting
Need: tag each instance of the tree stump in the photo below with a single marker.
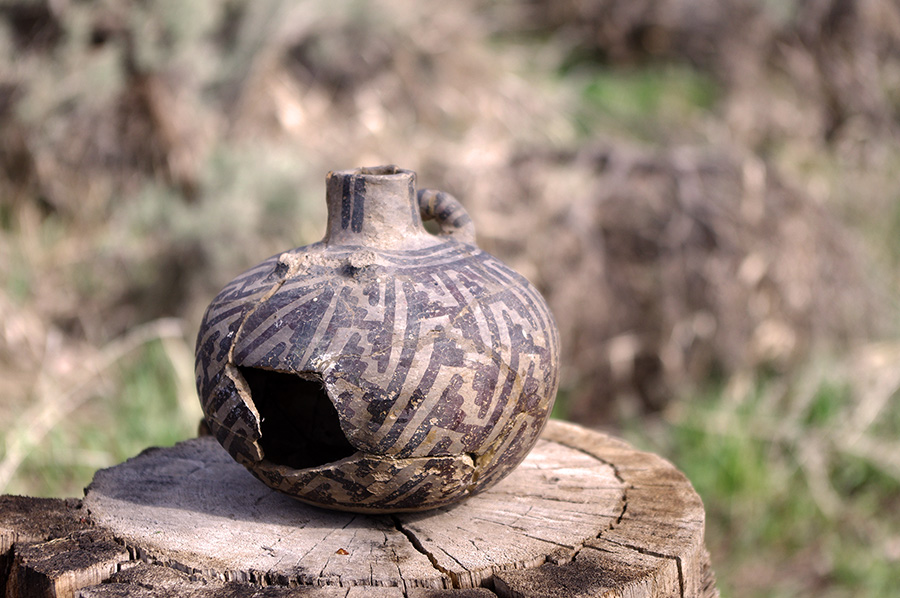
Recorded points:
(583, 515)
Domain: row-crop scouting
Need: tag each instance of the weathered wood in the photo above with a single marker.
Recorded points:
(583, 515)
(62, 566)
(27, 519)
(194, 508)
(153, 581)
(31, 533)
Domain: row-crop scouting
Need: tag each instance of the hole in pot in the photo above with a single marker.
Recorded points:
(300, 426)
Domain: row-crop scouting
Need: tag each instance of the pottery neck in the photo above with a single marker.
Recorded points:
(373, 207)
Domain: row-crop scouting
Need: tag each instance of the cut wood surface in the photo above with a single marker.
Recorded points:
(583, 515)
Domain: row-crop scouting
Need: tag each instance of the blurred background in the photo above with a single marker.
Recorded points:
(706, 191)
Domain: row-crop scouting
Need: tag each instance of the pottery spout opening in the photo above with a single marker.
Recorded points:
(300, 427)
(374, 207)
(380, 170)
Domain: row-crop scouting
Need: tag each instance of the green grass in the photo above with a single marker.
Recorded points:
(647, 102)
(144, 410)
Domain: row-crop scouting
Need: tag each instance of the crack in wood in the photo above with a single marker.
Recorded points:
(624, 508)
(642, 550)
(137, 554)
(659, 555)
(618, 476)
(419, 547)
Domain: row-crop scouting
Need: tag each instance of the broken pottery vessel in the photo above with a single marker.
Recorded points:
(384, 368)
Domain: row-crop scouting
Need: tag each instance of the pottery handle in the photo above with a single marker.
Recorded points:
(448, 213)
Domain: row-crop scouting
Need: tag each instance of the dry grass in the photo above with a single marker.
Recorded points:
(705, 194)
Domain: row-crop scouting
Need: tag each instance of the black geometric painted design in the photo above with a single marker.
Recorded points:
(441, 362)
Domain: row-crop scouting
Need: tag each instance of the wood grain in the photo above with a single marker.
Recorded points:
(584, 515)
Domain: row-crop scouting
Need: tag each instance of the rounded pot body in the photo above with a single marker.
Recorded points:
(384, 368)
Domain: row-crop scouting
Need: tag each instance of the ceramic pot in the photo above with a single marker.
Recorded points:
(384, 368)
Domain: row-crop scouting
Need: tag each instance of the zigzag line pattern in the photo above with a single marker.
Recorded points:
(434, 353)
